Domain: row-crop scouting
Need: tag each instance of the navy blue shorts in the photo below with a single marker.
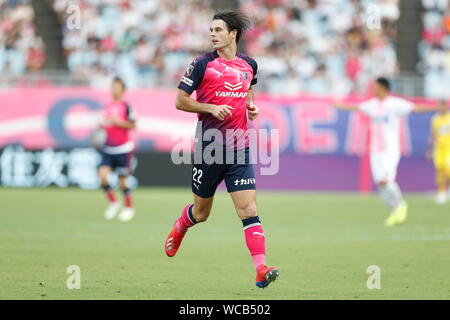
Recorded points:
(238, 176)
(121, 163)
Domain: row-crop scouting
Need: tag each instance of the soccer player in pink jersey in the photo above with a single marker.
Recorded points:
(223, 82)
(385, 112)
(117, 153)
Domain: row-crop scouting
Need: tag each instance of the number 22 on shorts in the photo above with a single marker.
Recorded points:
(196, 176)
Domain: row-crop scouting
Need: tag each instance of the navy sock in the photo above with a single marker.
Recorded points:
(246, 223)
(190, 215)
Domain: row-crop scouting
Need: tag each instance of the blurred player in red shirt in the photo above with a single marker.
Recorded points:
(223, 80)
(117, 153)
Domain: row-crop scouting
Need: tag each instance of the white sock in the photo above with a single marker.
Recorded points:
(391, 194)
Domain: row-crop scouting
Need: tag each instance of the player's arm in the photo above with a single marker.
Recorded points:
(190, 81)
(184, 102)
(423, 108)
(128, 123)
(339, 104)
(253, 110)
(101, 124)
(431, 144)
(125, 124)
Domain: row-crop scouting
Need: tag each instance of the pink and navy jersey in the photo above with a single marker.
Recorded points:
(118, 139)
(220, 81)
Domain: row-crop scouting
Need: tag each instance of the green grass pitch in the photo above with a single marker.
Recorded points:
(322, 244)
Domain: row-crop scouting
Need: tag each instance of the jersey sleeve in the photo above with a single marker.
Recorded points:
(255, 73)
(131, 115)
(192, 77)
(366, 107)
(252, 63)
(403, 107)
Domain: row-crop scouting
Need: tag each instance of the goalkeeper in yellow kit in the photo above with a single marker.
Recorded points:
(439, 149)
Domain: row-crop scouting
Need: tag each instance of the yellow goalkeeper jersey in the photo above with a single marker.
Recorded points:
(441, 130)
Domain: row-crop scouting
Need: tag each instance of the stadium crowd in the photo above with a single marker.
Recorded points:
(302, 46)
(147, 42)
(314, 46)
(322, 46)
(21, 49)
(434, 49)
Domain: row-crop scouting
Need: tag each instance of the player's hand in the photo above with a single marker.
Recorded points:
(337, 103)
(222, 111)
(114, 121)
(253, 111)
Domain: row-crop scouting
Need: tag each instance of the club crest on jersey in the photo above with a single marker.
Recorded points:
(189, 70)
(244, 75)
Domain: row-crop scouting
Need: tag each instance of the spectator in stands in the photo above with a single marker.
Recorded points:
(20, 48)
(434, 49)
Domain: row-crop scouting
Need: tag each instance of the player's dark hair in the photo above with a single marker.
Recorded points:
(382, 81)
(119, 79)
(234, 20)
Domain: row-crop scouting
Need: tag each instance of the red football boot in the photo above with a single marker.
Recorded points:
(265, 275)
(173, 241)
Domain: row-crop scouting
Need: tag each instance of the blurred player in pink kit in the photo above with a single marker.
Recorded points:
(117, 153)
(223, 82)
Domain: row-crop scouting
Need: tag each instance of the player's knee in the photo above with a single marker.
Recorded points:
(123, 183)
(201, 214)
(441, 177)
(382, 183)
(247, 211)
(103, 180)
(103, 174)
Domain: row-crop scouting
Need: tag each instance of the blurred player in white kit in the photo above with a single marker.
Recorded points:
(385, 112)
